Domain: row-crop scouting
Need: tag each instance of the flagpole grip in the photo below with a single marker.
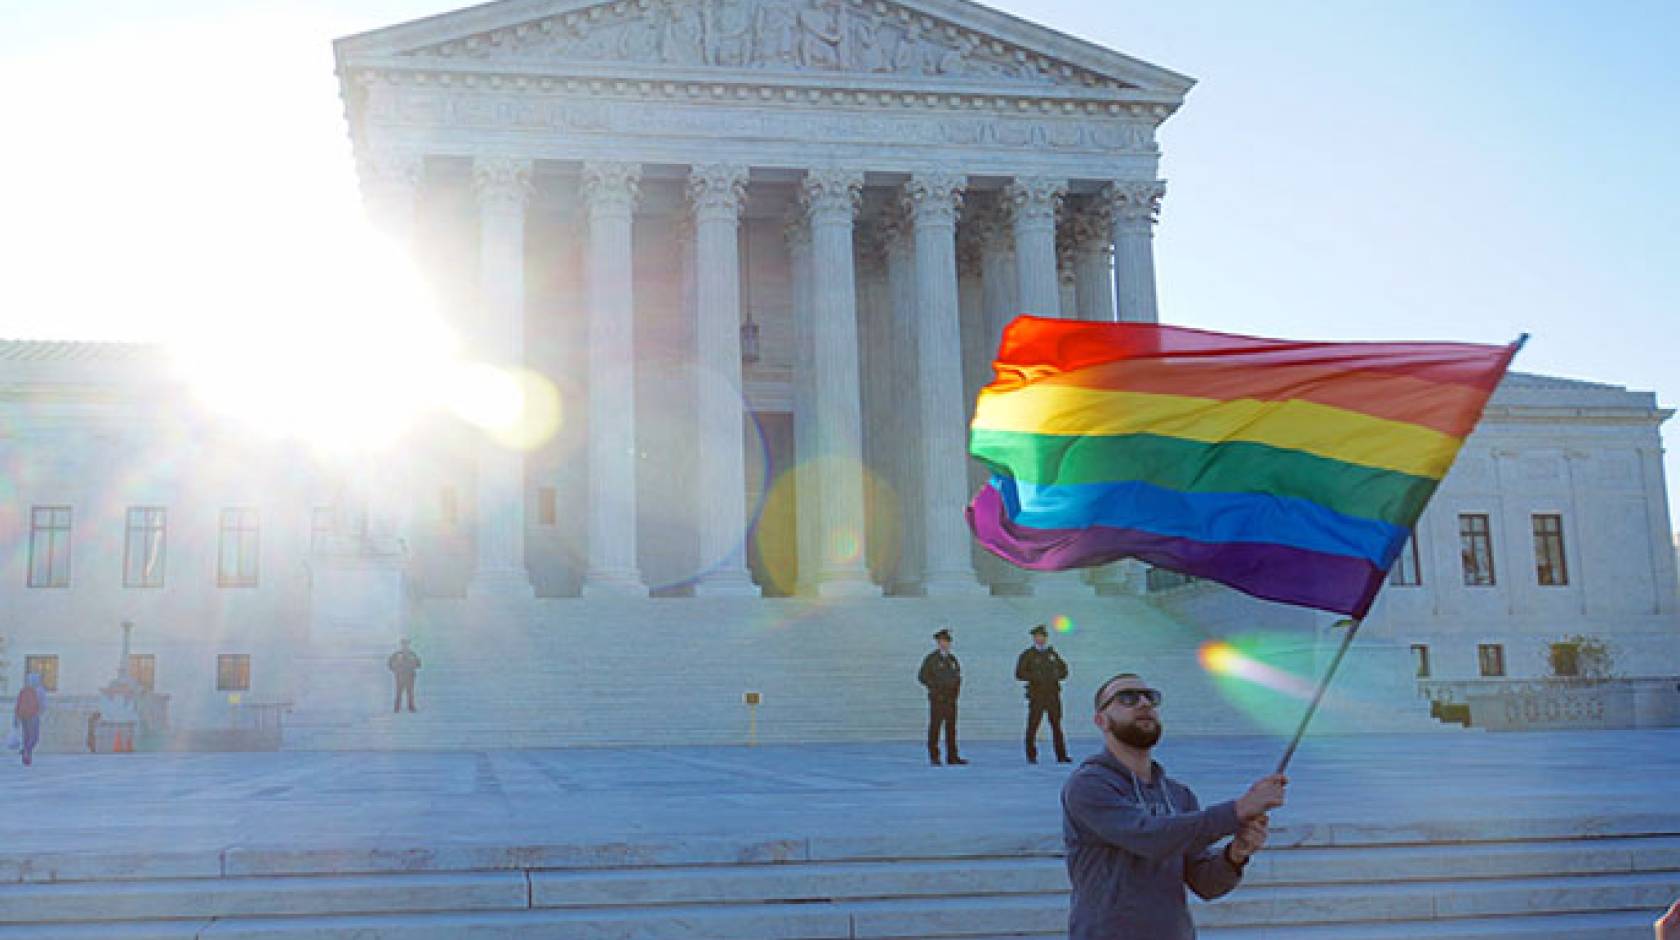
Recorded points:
(1318, 696)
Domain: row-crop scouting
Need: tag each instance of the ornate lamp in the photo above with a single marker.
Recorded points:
(749, 340)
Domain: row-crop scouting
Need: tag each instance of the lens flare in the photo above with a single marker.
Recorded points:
(517, 408)
(1224, 660)
(845, 545)
(1061, 623)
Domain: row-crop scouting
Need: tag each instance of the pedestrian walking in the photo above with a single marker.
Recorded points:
(31, 704)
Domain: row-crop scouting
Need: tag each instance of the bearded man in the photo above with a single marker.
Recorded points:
(1137, 838)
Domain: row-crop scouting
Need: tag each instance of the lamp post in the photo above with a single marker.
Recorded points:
(125, 671)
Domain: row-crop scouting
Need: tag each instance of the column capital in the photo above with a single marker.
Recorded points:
(1035, 199)
(717, 190)
(1134, 202)
(611, 186)
(1090, 227)
(933, 198)
(387, 171)
(987, 217)
(1067, 249)
(831, 194)
(894, 225)
(502, 182)
(796, 229)
(685, 231)
(870, 245)
(390, 183)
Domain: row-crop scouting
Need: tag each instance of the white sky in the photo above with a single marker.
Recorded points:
(1342, 170)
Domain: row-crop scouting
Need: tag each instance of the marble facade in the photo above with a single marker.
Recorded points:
(884, 141)
(763, 251)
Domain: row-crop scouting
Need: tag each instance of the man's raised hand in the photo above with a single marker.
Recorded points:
(1265, 795)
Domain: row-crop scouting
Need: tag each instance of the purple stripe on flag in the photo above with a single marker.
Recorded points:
(1274, 572)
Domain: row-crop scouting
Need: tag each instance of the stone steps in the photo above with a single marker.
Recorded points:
(555, 672)
(1377, 883)
(1614, 925)
(1620, 925)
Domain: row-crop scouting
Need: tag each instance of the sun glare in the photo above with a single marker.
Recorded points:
(346, 354)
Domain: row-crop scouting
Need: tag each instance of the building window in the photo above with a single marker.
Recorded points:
(142, 667)
(449, 507)
(548, 508)
(236, 563)
(1420, 659)
(143, 545)
(49, 547)
(321, 523)
(44, 666)
(1565, 659)
(1405, 572)
(233, 672)
(1549, 567)
(1491, 658)
(1475, 547)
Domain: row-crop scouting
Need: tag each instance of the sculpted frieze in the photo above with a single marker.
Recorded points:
(472, 110)
(852, 36)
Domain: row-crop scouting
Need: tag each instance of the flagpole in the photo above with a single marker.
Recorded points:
(1347, 641)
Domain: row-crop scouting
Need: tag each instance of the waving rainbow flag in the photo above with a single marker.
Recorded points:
(1290, 471)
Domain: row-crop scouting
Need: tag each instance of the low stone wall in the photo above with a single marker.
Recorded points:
(1564, 704)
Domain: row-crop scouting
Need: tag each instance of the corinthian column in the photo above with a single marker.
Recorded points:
(831, 198)
(999, 299)
(391, 192)
(377, 505)
(610, 191)
(807, 492)
(904, 423)
(503, 185)
(998, 305)
(1091, 235)
(716, 192)
(1135, 206)
(1033, 202)
(930, 202)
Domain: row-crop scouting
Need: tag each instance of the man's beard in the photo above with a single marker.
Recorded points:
(1132, 735)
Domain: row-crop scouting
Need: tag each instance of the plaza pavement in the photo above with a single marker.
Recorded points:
(161, 806)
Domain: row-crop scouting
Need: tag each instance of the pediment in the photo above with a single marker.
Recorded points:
(920, 42)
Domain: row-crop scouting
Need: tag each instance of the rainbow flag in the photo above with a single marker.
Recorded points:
(1291, 471)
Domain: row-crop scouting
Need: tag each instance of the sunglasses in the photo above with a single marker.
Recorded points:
(1130, 698)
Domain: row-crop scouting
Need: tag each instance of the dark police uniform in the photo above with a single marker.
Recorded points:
(942, 675)
(404, 663)
(1043, 672)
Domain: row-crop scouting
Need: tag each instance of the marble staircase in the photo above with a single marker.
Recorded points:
(1469, 879)
(570, 672)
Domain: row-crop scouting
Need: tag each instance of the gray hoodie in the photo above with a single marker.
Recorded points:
(1132, 847)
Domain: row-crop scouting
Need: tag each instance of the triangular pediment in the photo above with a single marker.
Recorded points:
(942, 42)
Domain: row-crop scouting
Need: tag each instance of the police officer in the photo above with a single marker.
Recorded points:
(404, 663)
(1043, 669)
(942, 675)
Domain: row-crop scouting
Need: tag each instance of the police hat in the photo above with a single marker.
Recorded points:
(943, 634)
(1039, 630)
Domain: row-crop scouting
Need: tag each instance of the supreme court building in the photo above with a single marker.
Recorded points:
(764, 250)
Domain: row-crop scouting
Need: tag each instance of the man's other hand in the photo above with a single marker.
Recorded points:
(1249, 839)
